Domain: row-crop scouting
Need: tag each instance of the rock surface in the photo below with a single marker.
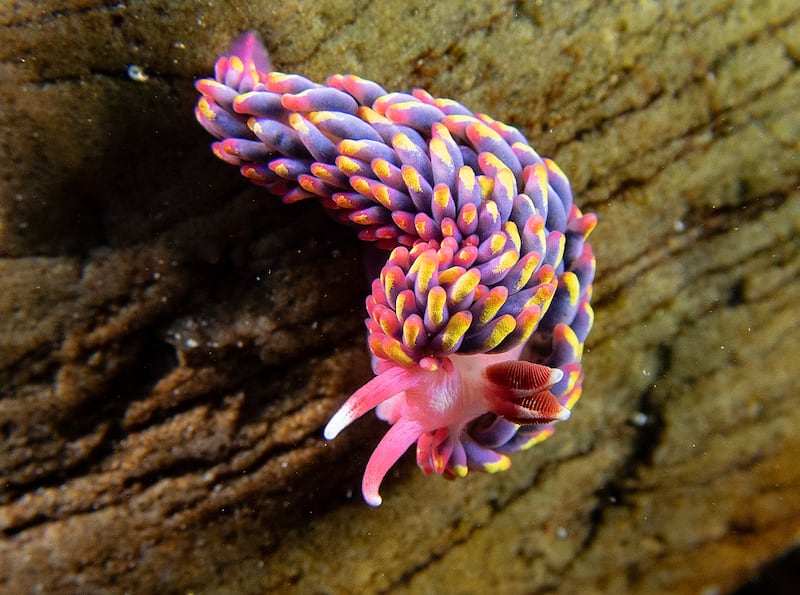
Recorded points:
(172, 341)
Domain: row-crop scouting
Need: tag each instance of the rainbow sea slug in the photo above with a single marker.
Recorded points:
(477, 321)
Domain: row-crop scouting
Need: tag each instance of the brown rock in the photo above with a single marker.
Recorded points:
(172, 341)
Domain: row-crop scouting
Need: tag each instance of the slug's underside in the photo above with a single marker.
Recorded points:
(478, 318)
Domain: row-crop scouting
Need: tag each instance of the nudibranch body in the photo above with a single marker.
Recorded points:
(477, 321)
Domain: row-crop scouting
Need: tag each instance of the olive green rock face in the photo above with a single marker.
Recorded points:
(171, 343)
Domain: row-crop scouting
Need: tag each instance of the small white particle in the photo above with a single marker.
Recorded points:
(137, 73)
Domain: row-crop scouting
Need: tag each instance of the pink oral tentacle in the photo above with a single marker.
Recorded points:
(391, 447)
(369, 396)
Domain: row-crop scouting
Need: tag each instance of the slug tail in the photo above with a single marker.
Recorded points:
(249, 48)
